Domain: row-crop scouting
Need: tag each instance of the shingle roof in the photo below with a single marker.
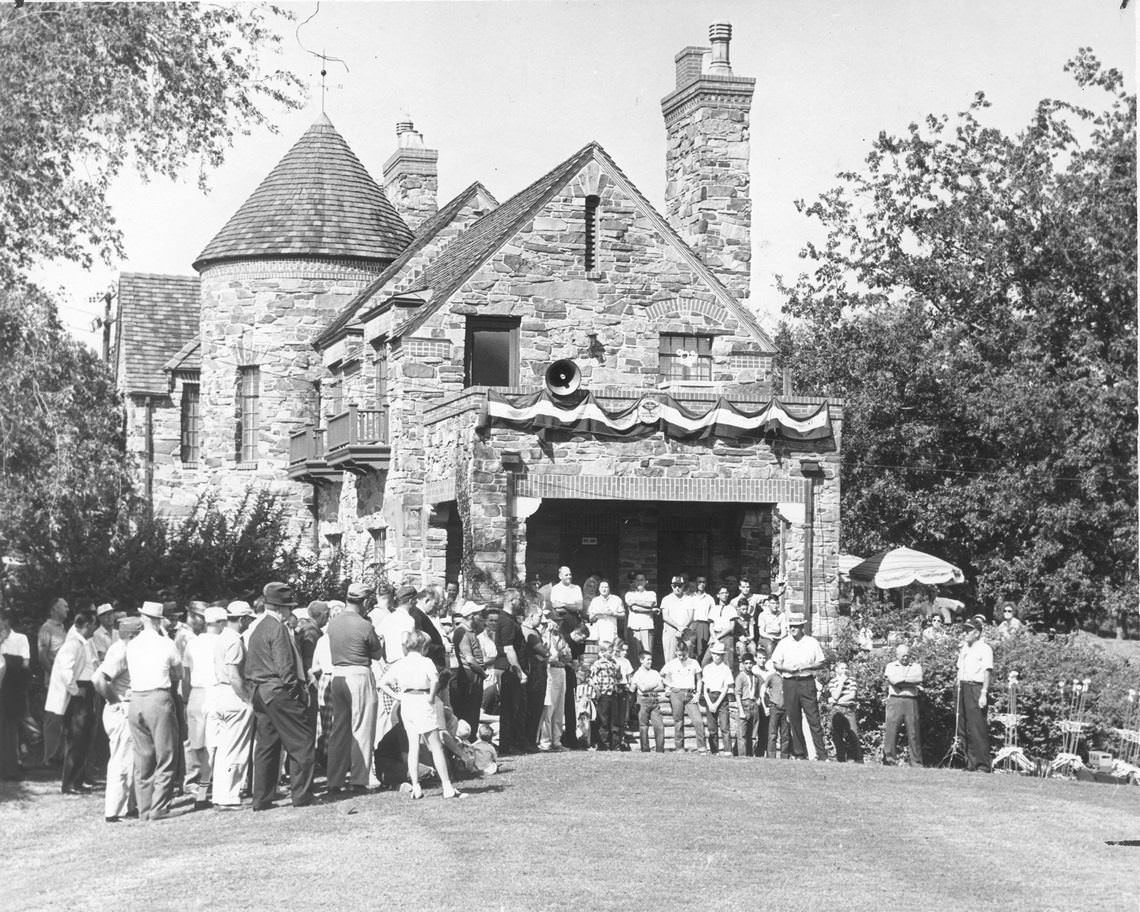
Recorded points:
(158, 315)
(459, 261)
(318, 200)
(428, 230)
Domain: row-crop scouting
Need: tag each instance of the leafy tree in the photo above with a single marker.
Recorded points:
(975, 304)
(87, 89)
(64, 475)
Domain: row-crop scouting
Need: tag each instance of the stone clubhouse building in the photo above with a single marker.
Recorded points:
(484, 391)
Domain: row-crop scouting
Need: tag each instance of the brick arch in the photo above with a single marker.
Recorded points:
(713, 310)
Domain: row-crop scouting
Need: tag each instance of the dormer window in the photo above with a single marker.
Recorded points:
(593, 203)
(491, 353)
(684, 357)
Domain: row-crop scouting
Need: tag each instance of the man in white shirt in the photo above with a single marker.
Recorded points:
(975, 666)
(104, 634)
(647, 687)
(641, 604)
(201, 677)
(682, 677)
(719, 687)
(904, 683)
(702, 605)
(676, 617)
(72, 696)
(155, 670)
(112, 680)
(229, 716)
(49, 641)
(604, 612)
(797, 657)
(771, 625)
(565, 597)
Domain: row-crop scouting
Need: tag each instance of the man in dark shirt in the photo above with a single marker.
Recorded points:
(308, 632)
(512, 677)
(276, 676)
(467, 688)
(353, 645)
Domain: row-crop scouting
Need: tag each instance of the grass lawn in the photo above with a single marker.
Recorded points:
(603, 831)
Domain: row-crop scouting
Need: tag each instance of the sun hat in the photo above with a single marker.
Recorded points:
(151, 610)
(796, 619)
(717, 648)
(103, 609)
(357, 592)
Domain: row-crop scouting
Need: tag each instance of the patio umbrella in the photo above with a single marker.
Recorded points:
(899, 567)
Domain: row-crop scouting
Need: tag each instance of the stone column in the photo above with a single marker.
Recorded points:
(411, 177)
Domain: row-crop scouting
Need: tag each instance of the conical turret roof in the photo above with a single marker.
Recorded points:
(318, 201)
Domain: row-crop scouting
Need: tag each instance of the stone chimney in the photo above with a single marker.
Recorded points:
(706, 159)
(411, 176)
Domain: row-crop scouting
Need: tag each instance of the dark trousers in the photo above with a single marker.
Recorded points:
(845, 734)
(535, 702)
(973, 727)
(746, 729)
(717, 725)
(467, 698)
(570, 723)
(609, 721)
(649, 713)
(778, 728)
(282, 722)
(700, 639)
(800, 701)
(512, 713)
(902, 711)
(78, 728)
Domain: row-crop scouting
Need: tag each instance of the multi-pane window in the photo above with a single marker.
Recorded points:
(249, 382)
(191, 424)
(491, 356)
(382, 392)
(685, 357)
(379, 548)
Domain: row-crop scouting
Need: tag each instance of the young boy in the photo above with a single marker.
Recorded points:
(747, 694)
(844, 728)
(648, 688)
(486, 758)
(772, 702)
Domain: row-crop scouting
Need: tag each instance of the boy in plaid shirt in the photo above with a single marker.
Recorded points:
(604, 680)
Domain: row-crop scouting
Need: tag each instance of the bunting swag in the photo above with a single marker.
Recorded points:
(583, 415)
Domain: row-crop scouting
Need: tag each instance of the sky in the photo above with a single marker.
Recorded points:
(506, 90)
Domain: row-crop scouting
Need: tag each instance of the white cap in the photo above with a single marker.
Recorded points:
(105, 608)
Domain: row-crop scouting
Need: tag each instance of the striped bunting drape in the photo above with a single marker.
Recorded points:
(582, 414)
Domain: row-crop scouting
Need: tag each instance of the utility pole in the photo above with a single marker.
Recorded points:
(105, 322)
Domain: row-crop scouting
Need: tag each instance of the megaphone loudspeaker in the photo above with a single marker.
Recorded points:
(563, 378)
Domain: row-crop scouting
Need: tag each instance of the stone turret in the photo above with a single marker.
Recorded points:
(315, 232)
(411, 176)
(706, 159)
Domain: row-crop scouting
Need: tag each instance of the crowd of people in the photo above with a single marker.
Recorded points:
(389, 687)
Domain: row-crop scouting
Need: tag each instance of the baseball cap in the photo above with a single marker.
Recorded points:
(104, 609)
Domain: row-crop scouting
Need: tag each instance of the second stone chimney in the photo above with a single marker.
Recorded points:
(411, 176)
(706, 159)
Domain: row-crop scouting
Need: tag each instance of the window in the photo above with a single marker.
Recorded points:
(249, 382)
(191, 424)
(379, 549)
(491, 355)
(591, 216)
(684, 357)
(382, 392)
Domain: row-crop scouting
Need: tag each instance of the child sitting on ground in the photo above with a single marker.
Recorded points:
(486, 758)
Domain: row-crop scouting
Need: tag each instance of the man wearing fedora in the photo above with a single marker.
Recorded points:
(797, 657)
(276, 676)
(155, 671)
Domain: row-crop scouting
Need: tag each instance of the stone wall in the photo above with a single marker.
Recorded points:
(175, 486)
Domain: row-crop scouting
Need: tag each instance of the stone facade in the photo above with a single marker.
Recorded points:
(707, 125)
(411, 177)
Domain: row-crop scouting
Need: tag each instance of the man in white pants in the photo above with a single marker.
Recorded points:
(554, 705)
(200, 665)
(229, 725)
(112, 681)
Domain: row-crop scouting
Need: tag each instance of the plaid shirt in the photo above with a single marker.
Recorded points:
(604, 677)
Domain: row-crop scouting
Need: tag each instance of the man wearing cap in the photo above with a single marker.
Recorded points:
(101, 641)
(467, 690)
(71, 695)
(353, 647)
(199, 664)
(797, 657)
(904, 683)
(229, 718)
(112, 681)
(276, 676)
(718, 688)
(975, 666)
(676, 617)
(155, 671)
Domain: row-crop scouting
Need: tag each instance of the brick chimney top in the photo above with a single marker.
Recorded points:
(720, 34)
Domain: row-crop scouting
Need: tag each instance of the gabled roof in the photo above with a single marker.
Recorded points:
(158, 315)
(318, 200)
(188, 358)
(428, 230)
(465, 255)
